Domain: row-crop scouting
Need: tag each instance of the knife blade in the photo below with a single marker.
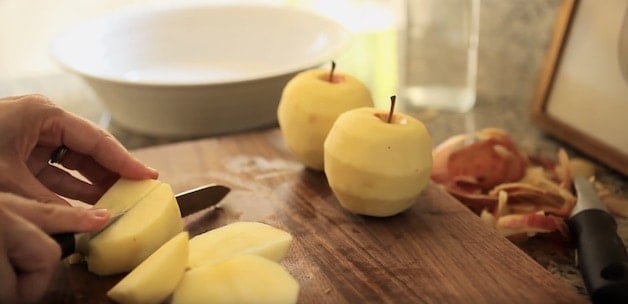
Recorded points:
(189, 201)
(600, 253)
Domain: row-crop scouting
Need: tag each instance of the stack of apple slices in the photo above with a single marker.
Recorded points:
(224, 265)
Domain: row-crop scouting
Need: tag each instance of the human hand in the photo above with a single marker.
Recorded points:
(32, 127)
(28, 256)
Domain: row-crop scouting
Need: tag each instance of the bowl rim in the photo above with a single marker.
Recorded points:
(327, 55)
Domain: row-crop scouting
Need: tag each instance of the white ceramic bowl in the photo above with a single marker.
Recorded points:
(188, 71)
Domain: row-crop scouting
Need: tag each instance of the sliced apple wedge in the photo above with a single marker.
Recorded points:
(240, 279)
(148, 224)
(155, 278)
(239, 238)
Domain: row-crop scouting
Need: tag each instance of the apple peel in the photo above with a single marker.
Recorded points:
(511, 192)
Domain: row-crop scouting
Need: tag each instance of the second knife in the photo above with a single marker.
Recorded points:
(600, 253)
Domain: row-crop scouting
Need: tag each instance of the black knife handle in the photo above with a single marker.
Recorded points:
(66, 241)
(601, 256)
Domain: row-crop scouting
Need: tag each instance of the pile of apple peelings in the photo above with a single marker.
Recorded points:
(518, 195)
(223, 265)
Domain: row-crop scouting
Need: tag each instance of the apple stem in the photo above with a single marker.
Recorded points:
(392, 108)
(331, 73)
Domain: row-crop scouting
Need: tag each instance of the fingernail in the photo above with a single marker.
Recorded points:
(155, 172)
(99, 213)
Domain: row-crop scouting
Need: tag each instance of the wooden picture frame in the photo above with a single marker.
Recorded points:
(582, 94)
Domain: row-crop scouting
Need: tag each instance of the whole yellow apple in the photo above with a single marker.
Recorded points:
(309, 105)
(376, 167)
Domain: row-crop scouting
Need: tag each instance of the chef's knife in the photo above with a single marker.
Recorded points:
(190, 201)
(600, 253)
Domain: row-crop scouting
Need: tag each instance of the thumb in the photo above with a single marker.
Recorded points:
(29, 259)
(53, 218)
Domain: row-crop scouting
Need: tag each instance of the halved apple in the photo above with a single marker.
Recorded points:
(155, 279)
(240, 279)
(148, 224)
(239, 238)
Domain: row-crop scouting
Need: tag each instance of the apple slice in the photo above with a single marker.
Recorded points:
(239, 238)
(155, 279)
(133, 237)
(240, 279)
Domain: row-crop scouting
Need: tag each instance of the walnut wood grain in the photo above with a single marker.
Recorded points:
(436, 252)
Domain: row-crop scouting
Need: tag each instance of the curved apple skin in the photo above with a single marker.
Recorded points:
(377, 168)
(310, 104)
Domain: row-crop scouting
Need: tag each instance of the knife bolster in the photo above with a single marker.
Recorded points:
(66, 241)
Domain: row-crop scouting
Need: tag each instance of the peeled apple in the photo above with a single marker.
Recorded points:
(376, 167)
(309, 105)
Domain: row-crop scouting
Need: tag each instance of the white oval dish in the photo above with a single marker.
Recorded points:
(195, 70)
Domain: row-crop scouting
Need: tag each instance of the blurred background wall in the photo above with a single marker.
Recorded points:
(514, 35)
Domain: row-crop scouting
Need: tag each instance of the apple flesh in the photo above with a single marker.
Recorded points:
(239, 279)
(147, 224)
(309, 105)
(125, 193)
(239, 238)
(374, 167)
(155, 278)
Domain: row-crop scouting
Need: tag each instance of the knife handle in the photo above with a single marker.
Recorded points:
(66, 241)
(601, 256)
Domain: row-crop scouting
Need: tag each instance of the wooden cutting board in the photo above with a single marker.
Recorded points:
(436, 252)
